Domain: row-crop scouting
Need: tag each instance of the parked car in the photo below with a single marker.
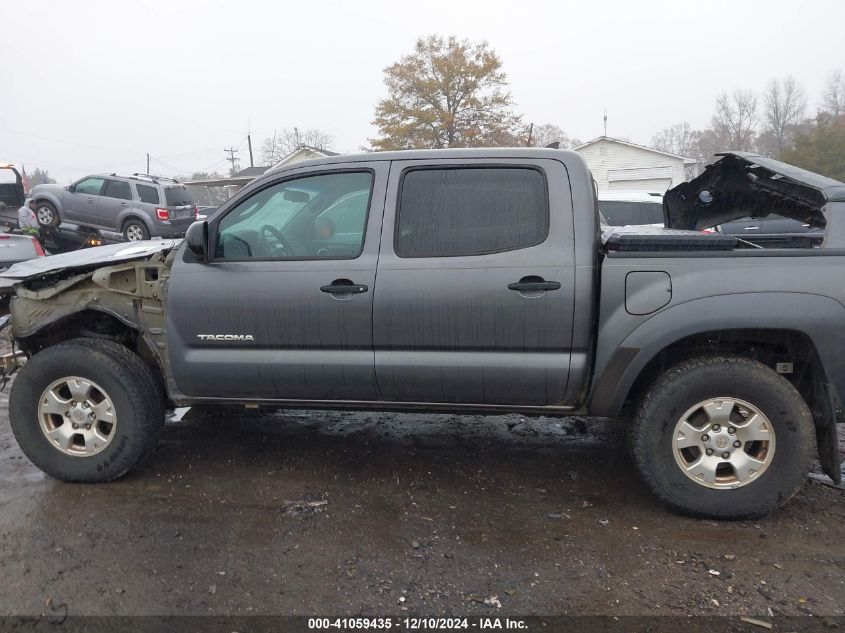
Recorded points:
(774, 231)
(138, 206)
(631, 208)
(463, 281)
(16, 248)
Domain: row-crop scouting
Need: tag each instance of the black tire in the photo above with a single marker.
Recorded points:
(694, 381)
(134, 230)
(127, 380)
(46, 214)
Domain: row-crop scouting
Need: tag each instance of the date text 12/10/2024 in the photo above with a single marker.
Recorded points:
(416, 624)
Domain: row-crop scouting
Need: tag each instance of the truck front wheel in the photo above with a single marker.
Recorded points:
(86, 410)
(726, 438)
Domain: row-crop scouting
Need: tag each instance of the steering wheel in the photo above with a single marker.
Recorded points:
(283, 247)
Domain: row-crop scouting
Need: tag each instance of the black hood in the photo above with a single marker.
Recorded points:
(740, 185)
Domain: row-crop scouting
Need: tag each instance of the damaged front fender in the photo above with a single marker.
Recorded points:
(60, 304)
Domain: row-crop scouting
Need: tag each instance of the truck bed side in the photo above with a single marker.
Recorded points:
(781, 306)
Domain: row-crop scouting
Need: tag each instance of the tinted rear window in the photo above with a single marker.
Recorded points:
(471, 211)
(147, 194)
(178, 196)
(623, 213)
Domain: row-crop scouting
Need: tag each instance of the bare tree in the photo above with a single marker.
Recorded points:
(678, 139)
(786, 106)
(735, 120)
(682, 140)
(40, 177)
(833, 99)
(548, 133)
(289, 140)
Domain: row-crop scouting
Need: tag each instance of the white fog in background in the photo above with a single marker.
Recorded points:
(94, 85)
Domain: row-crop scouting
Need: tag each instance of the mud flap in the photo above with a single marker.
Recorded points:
(826, 435)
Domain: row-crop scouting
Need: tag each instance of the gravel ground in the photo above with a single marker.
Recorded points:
(312, 512)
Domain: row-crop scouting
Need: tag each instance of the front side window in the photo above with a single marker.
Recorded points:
(321, 216)
(90, 186)
(470, 211)
(118, 189)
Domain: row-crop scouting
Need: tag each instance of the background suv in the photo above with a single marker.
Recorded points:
(138, 206)
(631, 208)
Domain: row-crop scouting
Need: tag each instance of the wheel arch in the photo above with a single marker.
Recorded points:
(99, 323)
(134, 215)
(53, 200)
(802, 329)
(48, 197)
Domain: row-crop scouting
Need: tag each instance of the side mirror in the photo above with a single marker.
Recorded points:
(196, 238)
(71, 188)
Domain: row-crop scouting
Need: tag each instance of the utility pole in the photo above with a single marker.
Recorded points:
(231, 151)
(605, 121)
(148, 164)
(249, 142)
(530, 131)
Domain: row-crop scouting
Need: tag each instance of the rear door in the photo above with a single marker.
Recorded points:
(116, 199)
(81, 205)
(475, 295)
(283, 310)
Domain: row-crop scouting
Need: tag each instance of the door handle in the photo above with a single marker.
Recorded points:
(534, 284)
(343, 287)
(752, 228)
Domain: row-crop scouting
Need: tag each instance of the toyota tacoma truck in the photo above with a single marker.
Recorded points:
(464, 281)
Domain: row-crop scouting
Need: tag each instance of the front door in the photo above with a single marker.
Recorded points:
(283, 308)
(81, 204)
(476, 283)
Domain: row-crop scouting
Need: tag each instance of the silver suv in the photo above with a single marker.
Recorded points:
(139, 206)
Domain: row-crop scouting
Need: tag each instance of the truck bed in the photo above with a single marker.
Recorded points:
(668, 295)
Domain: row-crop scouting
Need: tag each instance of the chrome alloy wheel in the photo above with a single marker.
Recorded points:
(723, 443)
(77, 416)
(44, 215)
(134, 233)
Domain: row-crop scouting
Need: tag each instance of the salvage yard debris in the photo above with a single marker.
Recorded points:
(756, 622)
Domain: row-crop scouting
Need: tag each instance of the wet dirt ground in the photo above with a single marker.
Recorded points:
(372, 513)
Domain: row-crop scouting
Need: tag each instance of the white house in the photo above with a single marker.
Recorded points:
(618, 164)
(301, 153)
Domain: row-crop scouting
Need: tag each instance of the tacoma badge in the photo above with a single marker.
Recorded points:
(226, 337)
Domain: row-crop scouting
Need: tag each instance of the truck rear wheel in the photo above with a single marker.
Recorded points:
(46, 214)
(726, 438)
(86, 410)
(134, 230)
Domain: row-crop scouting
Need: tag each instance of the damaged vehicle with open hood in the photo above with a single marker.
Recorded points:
(463, 281)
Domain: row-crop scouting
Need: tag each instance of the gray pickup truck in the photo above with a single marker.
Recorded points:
(472, 281)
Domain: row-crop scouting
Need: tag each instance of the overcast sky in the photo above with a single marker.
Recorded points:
(93, 86)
